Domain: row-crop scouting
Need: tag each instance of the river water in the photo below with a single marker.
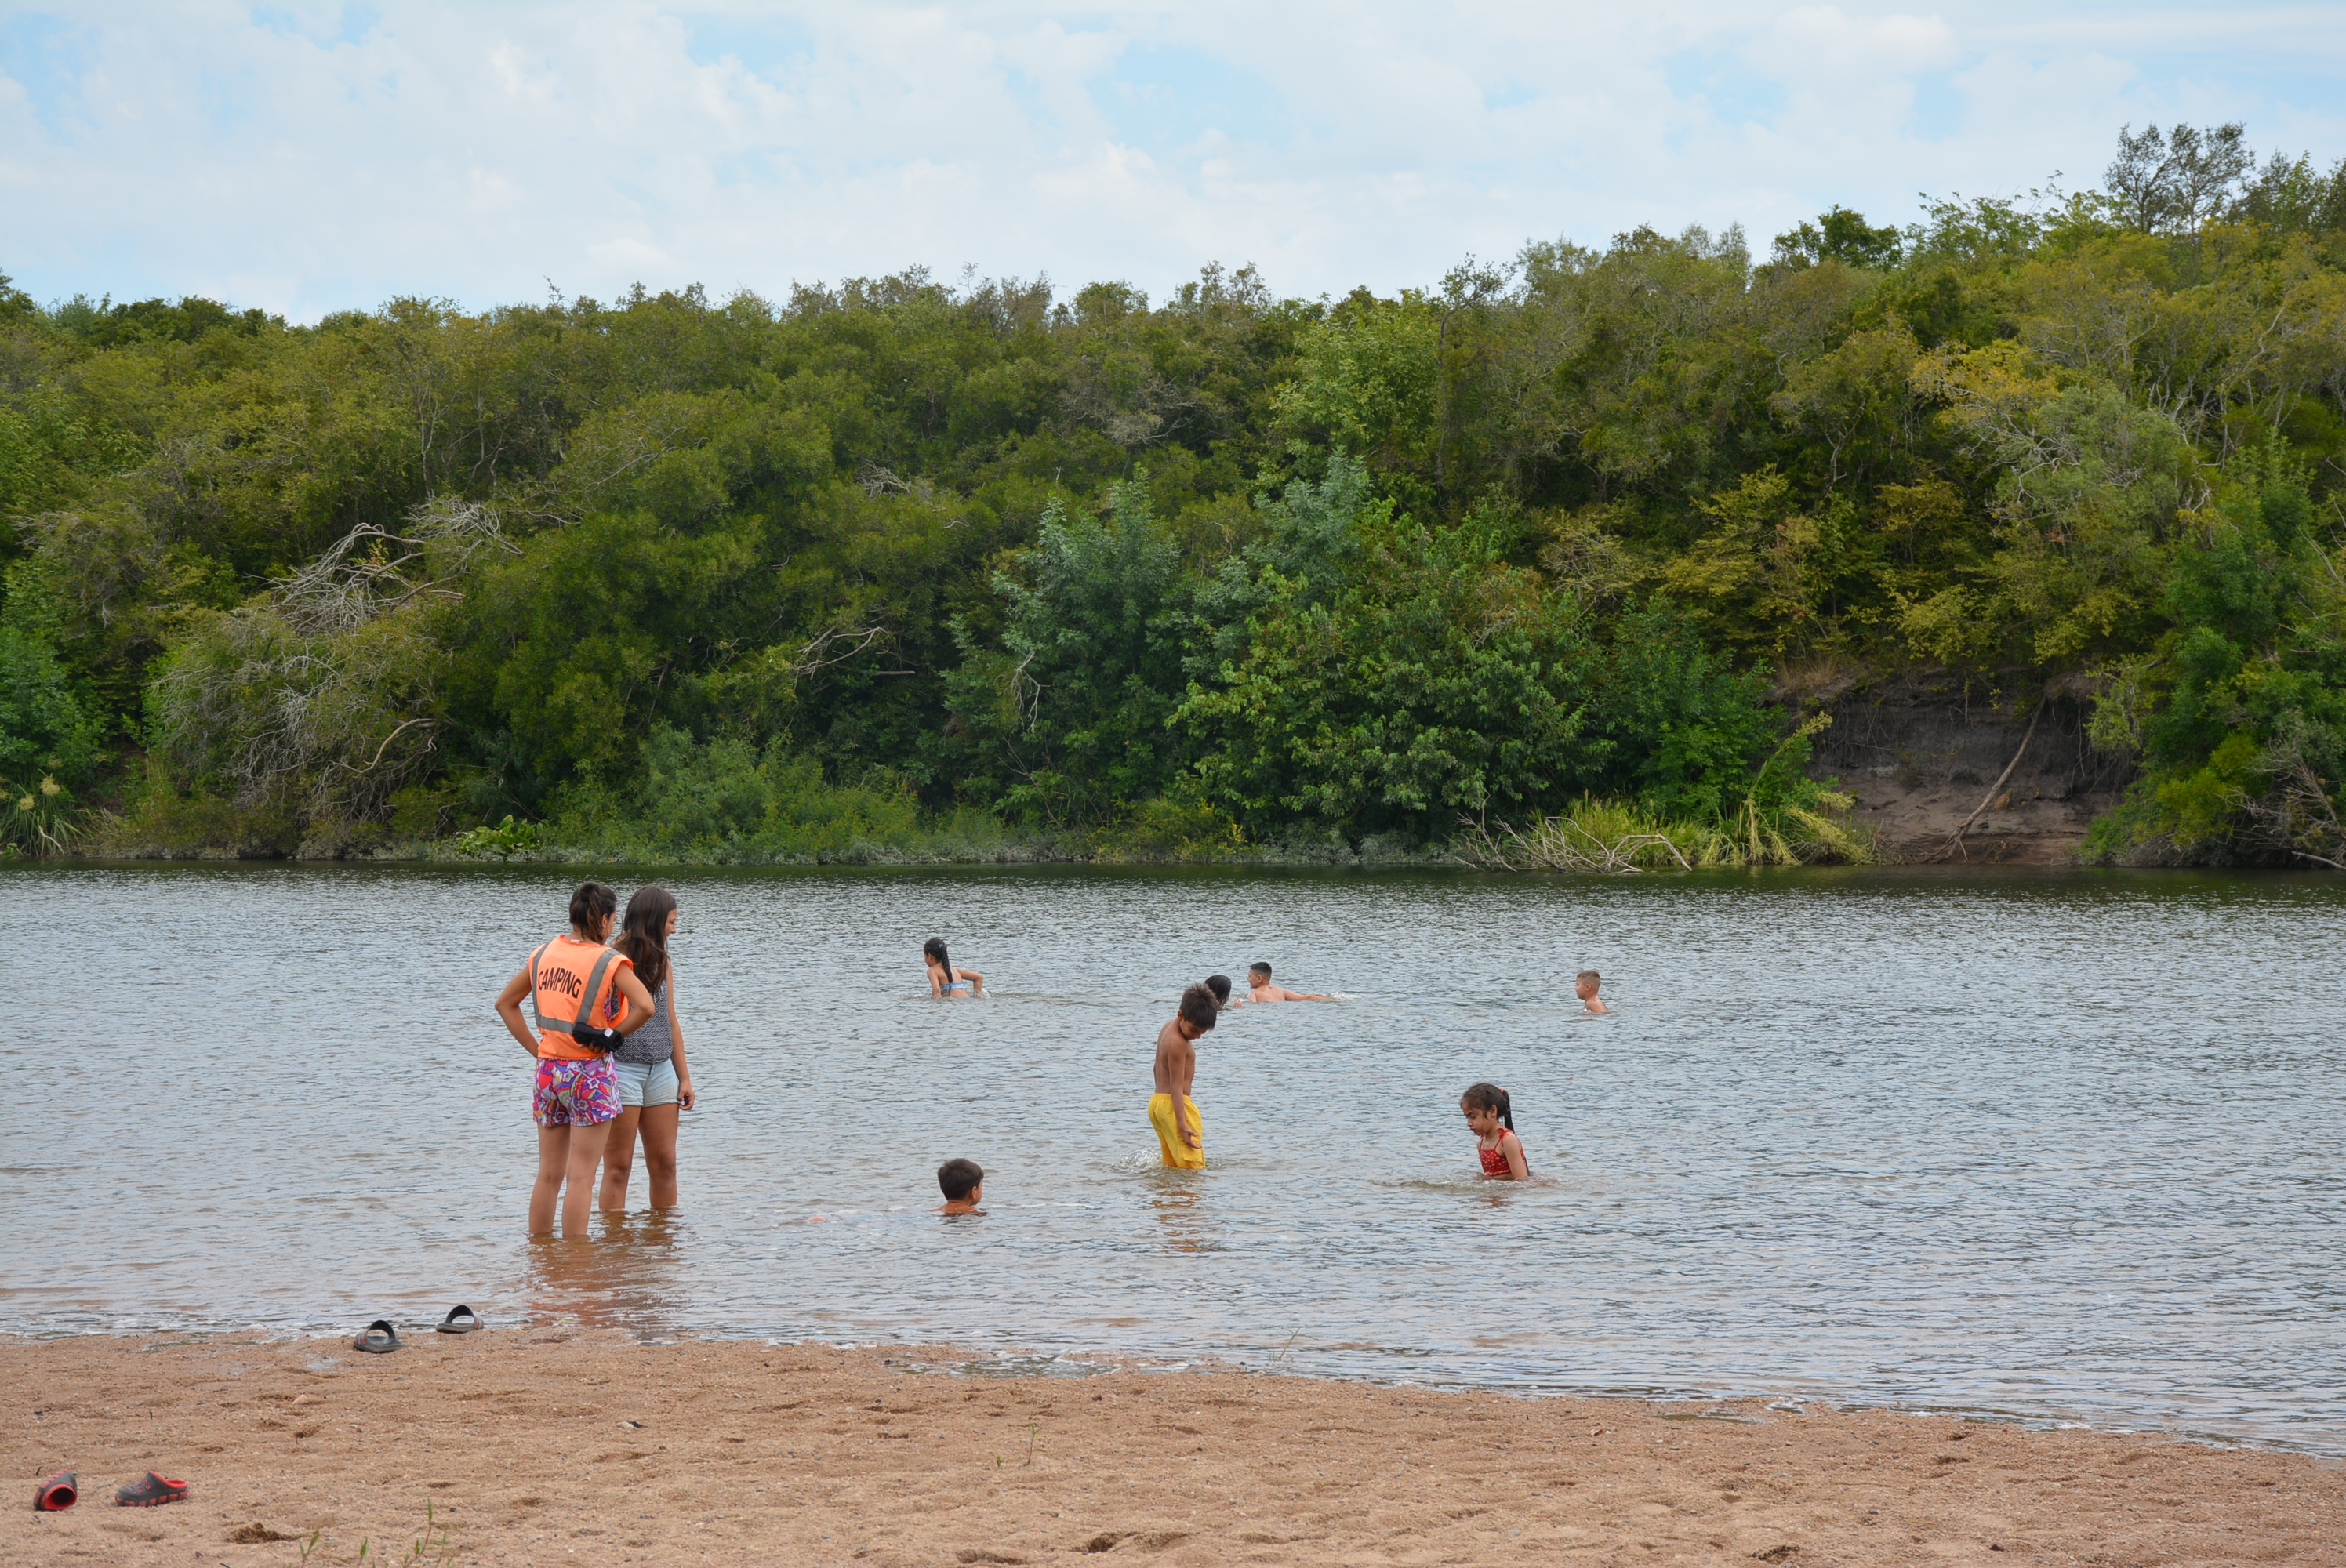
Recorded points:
(2062, 1146)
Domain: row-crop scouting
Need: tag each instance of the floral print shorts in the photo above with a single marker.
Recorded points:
(576, 1094)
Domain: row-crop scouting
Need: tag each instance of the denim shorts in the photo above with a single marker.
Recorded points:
(646, 1084)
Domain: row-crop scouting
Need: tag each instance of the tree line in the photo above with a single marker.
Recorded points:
(908, 565)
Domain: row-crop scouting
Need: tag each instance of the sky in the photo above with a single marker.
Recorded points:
(314, 158)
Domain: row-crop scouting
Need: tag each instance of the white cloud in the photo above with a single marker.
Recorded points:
(474, 151)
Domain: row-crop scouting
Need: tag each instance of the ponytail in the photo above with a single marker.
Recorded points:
(1490, 1097)
(935, 948)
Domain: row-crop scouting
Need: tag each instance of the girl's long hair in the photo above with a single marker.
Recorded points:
(643, 935)
(1483, 1098)
(935, 948)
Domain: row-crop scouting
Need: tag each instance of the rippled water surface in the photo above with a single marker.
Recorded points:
(2067, 1145)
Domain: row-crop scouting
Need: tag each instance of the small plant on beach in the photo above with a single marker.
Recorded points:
(1034, 1432)
(432, 1545)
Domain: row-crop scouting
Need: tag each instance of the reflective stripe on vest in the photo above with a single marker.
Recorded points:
(586, 998)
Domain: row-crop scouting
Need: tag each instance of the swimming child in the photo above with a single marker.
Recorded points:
(963, 1184)
(587, 997)
(1181, 1136)
(945, 980)
(1584, 986)
(1261, 989)
(1220, 984)
(1493, 1117)
(655, 1081)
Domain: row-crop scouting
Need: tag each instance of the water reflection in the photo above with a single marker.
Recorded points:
(623, 1276)
(1176, 1200)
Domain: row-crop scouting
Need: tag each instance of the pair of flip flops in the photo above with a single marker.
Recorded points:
(380, 1338)
(63, 1490)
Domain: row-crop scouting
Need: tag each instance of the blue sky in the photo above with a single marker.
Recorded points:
(310, 158)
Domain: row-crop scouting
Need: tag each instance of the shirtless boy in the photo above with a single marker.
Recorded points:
(1261, 989)
(1584, 986)
(1181, 1136)
(963, 1184)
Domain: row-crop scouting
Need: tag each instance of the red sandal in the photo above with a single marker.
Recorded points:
(149, 1491)
(58, 1493)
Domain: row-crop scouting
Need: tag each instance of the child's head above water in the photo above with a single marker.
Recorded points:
(962, 1181)
(1198, 1009)
(1586, 981)
(1483, 1099)
(933, 949)
(1220, 984)
(1258, 975)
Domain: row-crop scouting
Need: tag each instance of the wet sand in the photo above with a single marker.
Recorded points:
(548, 1446)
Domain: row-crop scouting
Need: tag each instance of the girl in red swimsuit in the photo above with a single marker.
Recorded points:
(1493, 1117)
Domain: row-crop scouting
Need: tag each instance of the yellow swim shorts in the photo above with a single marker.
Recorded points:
(1169, 1136)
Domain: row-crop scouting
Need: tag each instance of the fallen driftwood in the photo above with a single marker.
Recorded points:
(1955, 840)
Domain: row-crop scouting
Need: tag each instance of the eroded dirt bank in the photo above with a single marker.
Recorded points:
(1920, 749)
(545, 1447)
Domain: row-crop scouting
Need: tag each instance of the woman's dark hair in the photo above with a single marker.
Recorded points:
(1490, 1097)
(643, 935)
(935, 948)
(590, 903)
(1220, 984)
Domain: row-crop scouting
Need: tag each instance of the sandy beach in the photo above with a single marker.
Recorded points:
(553, 1446)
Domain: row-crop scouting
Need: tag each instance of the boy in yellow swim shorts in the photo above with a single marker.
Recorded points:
(1180, 1133)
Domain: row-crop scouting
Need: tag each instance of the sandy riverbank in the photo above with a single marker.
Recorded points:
(540, 1446)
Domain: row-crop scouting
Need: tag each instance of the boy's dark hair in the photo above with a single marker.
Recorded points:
(958, 1178)
(1198, 1006)
(1590, 975)
(590, 903)
(1490, 1097)
(1220, 984)
(1261, 969)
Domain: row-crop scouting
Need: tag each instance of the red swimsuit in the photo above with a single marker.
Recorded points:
(1494, 1161)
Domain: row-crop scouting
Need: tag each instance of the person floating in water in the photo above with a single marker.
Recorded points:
(1180, 1136)
(964, 1184)
(945, 980)
(1491, 1115)
(1584, 986)
(1220, 984)
(1261, 989)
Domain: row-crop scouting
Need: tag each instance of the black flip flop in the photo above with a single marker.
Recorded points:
(377, 1338)
(151, 1490)
(58, 1493)
(460, 1320)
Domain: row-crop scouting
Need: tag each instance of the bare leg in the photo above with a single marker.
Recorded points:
(578, 1190)
(553, 1159)
(619, 1159)
(660, 1153)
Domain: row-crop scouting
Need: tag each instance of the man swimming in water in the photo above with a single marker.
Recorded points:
(1180, 1135)
(1261, 989)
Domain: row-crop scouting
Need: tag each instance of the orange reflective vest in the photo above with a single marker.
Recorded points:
(572, 983)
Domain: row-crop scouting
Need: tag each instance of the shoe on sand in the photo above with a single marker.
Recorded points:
(377, 1338)
(58, 1493)
(460, 1320)
(151, 1490)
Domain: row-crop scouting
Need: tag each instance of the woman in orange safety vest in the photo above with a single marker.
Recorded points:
(586, 996)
